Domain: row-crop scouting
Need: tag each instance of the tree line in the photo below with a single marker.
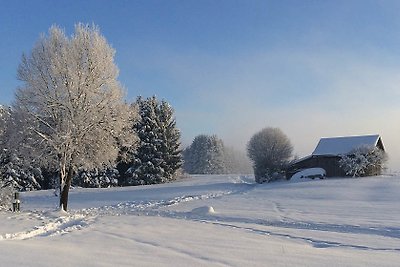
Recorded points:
(207, 154)
(155, 156)
(69, 119)
(70, 125)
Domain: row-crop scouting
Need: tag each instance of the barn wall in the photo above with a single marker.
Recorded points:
(329, 163)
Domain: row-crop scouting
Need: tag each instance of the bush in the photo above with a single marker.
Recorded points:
(270, 150)
(363, 161)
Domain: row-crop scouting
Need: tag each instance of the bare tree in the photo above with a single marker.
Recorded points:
(71, 108)
(269, 149)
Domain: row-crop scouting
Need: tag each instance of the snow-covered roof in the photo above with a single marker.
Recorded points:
(343, 145)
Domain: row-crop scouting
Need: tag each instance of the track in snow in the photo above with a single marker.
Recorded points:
(79, 219)
(59, 224)
(54, 226)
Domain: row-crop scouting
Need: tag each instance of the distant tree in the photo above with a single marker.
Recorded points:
(97, 178)
(363, 161)
(158, 156)
(205, 156)
(270, 150)
(71, 109)
(236, 161)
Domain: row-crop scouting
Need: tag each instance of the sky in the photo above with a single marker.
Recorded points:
(312, 68)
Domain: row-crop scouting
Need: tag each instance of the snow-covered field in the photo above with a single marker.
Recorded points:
(210, 221)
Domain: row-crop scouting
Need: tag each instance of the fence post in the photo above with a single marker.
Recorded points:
(16, 202)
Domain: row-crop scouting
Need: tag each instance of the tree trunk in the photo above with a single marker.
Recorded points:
(64, 190)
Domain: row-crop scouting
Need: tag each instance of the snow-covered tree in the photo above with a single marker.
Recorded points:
(6, 195)
(170, 137)
(270, 150)
(21, 174)
(5, 116)
(6, 189)
(97, 178)
(71, 109)
(158, 156)
(205, 155)
(363, 161)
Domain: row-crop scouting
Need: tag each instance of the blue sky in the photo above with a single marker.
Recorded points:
(312, 68)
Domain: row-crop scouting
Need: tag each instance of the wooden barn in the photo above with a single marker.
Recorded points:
(329, 151)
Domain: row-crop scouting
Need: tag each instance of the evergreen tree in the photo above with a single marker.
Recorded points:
(21, 176)
(6, 195)
(169, 135)
(97, 178)
(15, 171)
(205, 156)
(158, 156)
(5, 115)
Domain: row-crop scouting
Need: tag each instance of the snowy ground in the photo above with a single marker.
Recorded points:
(211, 221)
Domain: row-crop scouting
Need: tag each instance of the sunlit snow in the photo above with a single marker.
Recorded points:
(210, 221)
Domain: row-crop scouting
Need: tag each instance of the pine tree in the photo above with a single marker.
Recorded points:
(97, 178)
(5, 115)
(6, 195)
(170, 140)
(205, 156)
(20, 174)
(158, 156)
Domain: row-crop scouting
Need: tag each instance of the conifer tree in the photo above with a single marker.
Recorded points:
(158, 156)
(170, 136)
(19, 173)
(205, 156)
(97, 178)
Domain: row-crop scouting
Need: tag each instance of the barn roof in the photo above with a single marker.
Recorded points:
(343, 145)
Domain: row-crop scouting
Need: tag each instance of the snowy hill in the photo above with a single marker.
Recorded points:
(211, 221)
